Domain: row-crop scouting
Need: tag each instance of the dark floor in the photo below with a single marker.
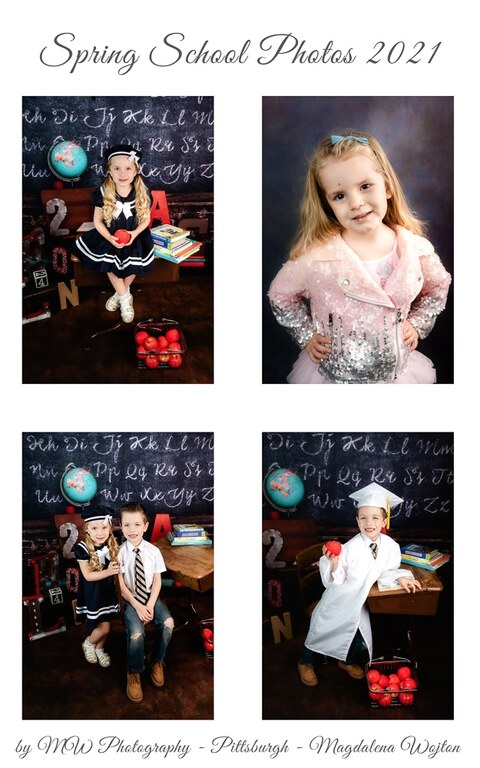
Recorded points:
(59, 350)
(58, 684)
(339, 697)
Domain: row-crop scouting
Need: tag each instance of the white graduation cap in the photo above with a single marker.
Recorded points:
(374, 495)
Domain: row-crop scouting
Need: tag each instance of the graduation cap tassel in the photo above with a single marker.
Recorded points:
(387, 525)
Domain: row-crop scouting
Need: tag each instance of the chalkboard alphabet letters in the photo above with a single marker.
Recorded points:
(166, 472)
(416, 466)
(175, 134)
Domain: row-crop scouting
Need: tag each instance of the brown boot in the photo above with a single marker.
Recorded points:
(353, 670)
(157, 677)
(307, 674)
(134, 687)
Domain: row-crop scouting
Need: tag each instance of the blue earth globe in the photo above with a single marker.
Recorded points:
(78, 485)
(67, 160)
(284, 488)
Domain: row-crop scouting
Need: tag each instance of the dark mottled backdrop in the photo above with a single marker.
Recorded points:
(417, 135)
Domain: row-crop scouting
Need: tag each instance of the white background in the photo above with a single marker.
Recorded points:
(237, 407)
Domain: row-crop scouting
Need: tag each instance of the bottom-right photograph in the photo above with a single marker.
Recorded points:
(358, 577)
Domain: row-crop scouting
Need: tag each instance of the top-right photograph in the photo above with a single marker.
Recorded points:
(358, 240)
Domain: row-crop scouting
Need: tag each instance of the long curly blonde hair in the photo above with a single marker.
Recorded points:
(142, 197)
(317, 220)
(111, 543)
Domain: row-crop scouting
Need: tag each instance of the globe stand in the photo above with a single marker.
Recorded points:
(284, 475)
(73, 495)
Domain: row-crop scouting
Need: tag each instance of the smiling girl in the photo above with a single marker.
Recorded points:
(122, 202)
(362, 284)
(97, 600)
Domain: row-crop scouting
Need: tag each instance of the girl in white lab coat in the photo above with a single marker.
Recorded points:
(340, 623)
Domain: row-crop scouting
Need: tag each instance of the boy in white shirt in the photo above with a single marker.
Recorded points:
(340, 623)
(140, 583)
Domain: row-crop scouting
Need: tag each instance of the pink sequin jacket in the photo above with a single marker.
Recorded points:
(328, 290)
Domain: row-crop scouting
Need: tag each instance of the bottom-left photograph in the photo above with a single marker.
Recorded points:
(117, 575)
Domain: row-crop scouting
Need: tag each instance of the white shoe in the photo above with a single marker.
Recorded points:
(113, 302)
(89, 651)
(126, 308)
(103, 657)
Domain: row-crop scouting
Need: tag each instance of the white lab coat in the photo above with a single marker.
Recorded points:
(342, 609)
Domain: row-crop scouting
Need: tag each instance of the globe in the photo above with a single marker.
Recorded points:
(284, 488)
(67, 160)
(78, 485)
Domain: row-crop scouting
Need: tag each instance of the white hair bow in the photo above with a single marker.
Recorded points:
(133, 156)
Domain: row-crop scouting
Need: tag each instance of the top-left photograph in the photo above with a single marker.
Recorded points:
(117, 239)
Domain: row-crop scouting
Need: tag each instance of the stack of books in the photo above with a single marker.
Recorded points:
(423, 557)
(188, 533)
(173, 244)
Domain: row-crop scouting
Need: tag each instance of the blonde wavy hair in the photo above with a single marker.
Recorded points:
(142, 197)
(317, 220)
(111, 543)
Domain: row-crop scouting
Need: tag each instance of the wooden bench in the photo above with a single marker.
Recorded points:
(67, 209)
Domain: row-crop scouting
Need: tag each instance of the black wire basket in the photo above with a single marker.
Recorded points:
(165, 354)
(389, 667)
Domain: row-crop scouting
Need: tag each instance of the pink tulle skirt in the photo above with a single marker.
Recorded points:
(419, 370)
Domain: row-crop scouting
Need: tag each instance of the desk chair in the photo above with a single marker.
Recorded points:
(309, 581)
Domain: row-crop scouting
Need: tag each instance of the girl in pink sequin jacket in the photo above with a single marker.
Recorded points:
(362, 284)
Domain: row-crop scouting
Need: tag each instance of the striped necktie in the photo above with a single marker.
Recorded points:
(140, 584)
(374, 548)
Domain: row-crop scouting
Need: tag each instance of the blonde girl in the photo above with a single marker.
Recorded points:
(123, 202)
(97, 600)
(362, 285)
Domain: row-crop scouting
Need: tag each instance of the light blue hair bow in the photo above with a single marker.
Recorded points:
(336, 139)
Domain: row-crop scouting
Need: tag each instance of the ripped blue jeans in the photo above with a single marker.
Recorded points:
(136, 635)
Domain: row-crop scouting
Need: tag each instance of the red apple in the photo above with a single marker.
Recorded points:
(172, 334)
(333, 548)
(385, 700)
(208, 646)
(375, 692)
(162, 342)
(163, 358)
(373, 676)
(151, 360)
(150, 343)
(393, 679)
(141, 352)
(174, 346)
(404, 672)
(122, 236)
(408, 684)
(383, 681)
(406, 698)
(174, 361)
(140, 337)
(394, 689)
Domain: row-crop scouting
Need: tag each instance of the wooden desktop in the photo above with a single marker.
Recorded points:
(190, 565)
(423, 602)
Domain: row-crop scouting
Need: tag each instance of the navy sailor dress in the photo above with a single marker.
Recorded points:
(96, 600)
(97, 253)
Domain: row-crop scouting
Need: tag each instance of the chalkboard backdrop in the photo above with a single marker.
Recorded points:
(166, 472)
(175, 134)
(416, 466)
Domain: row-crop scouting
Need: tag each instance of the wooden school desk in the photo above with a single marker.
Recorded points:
(191, 565)
(423, 602)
